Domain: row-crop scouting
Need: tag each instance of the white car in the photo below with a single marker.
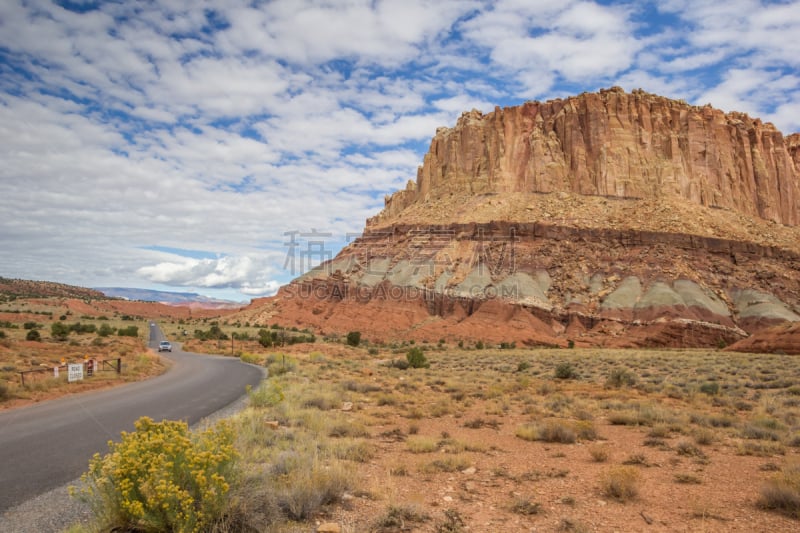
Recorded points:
(164, 346)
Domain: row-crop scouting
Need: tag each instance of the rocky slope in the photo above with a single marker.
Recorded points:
(608, 218)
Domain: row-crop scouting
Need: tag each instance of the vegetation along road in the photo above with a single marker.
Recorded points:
(46, 445)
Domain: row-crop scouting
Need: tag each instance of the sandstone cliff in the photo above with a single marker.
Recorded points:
(612, 143)
(606, 219)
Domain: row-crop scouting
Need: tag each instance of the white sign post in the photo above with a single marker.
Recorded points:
(74, 372)
(55, 371)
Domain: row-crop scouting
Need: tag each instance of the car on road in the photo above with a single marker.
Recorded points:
(164, 346)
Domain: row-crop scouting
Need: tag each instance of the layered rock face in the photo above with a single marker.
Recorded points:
(612, 143)
(607, 219)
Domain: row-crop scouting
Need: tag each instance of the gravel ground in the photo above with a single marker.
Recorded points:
(55, 511)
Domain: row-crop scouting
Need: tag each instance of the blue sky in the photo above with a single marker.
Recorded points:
(190, 145)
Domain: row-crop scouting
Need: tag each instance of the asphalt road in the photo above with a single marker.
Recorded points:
(46, 445)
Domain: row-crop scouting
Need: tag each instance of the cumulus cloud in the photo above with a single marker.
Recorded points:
(127, 128)
(250, 275)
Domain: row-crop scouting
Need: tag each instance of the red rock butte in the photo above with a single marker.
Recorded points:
(605, 219)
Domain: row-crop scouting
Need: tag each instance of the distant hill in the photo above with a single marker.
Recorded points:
(24, 288)
(171, 298)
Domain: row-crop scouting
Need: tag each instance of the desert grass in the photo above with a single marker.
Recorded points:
(782, 492)
(421, 444)
(342, 422)
(620, 483)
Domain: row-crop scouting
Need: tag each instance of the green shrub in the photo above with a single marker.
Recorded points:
(31, 325)
(416, 358)
(265, 338)
(565, 371)
(130, 331)
(59, 331)
(354, 338)
(105, 330)
(33, 335)
(162, 478)
(711, 388)
(269, 394)
(278, 365)
(79, 328)
(213, 333)
(2, 334)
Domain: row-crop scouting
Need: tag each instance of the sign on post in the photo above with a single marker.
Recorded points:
(74, 372)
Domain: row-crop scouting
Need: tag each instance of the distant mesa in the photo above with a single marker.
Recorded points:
(170, 298)
(605, 219)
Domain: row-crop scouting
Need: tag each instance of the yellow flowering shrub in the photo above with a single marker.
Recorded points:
(162, 478)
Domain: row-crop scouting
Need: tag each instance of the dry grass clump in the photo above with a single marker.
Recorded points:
(688, 449)
(599, 453)
(557, 430)
(526, 507)
(477, 423)
(454, 463)
(309, 488)
(636, 459)
(401, 518)
(704, 436)
(621, 377)
(421, 444)
(355, 450)
(348, 428)
(450, 445)
(659, 431)
(620, 483)
(760, 448)
(687, 479)
(572, 525)
(782, 492)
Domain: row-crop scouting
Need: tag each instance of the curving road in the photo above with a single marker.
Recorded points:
(46, 445)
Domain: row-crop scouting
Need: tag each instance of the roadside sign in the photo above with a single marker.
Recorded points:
(74, 372)
(55, 371)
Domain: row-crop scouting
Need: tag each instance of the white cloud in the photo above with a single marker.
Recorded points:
(542, 41)
(250, 273)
